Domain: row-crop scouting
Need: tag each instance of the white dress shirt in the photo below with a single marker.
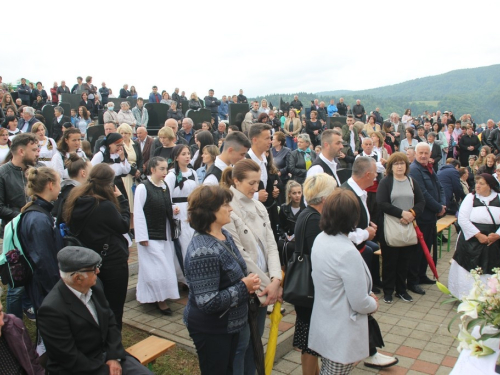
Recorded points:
(263, 169)
(87, 301)
(359, 235)
(212, 180)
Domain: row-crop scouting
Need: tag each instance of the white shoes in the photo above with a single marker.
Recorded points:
(380, 361)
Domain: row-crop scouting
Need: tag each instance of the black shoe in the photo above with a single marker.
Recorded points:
(404, 296)
(30, 314)
(166, 311)
(388, 298)
(444, 239)
(417, 289)
(427, 281)
(375, 290)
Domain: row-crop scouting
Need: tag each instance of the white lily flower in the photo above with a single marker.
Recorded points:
(469, 308)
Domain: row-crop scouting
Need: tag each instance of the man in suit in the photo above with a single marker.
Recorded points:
(435, 205)
(79, 329)
(436, 154)
(145, 141)
(28, 119)
(57, 123)
(350, 134)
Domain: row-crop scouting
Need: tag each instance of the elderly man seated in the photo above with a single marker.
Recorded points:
(77, 326)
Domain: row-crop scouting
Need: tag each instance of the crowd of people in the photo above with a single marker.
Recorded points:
(219, 209)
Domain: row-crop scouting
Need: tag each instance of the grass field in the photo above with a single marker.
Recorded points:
(176, 362)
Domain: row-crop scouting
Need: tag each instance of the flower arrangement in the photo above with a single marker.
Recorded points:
(480, 308)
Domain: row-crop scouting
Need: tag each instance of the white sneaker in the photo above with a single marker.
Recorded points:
(380, 361)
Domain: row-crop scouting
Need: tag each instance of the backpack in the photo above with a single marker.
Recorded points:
(15, 267)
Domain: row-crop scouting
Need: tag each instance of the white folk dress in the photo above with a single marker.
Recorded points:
(187, 232)
(46, 155)
(157, 279)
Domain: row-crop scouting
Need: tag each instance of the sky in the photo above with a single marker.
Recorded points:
(262, 47)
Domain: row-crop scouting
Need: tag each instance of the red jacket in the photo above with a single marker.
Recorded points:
(20, 344)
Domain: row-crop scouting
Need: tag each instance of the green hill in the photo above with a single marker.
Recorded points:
(475, 91)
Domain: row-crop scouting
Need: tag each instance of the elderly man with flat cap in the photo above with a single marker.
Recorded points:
(78, 328)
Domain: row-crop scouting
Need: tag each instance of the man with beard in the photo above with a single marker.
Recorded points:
(13, 182)
(331, 144)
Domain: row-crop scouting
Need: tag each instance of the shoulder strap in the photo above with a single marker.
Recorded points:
(485, 205)
(298, 247)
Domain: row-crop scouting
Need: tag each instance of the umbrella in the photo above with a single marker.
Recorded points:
(255, 340)
(421, 240)
(273, 335)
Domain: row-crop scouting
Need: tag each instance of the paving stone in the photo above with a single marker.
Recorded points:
(443, 370)
(415, 343)
(285, 366)
(394, 370)
(405, 361)
(431, 357)
(437, 348)
(293, 356)
(396, 339)
(425, 367)
(409, 352)
(449, 361)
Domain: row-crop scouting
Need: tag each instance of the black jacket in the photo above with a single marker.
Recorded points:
(436, 155)
(105, 226)
(12, 193)
(385, 206)
(57, 127)
(493, 139)
(176, 115)
(342, 108)
(242, 99)
(431, 190)
(75, 343)
(287, 219)
(296, 165)
(89, 105)
(213, 104)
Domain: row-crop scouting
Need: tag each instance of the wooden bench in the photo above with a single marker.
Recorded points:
(147, 350)
(442, 224)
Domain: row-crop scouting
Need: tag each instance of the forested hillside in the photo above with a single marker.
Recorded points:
(475, 91)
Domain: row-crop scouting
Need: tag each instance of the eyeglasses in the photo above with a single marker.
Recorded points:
(94, 269)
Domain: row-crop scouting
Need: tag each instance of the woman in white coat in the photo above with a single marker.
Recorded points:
(153, 224)
(342, 289)
(252, 233)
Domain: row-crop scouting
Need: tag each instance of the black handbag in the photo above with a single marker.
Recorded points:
(298, 287)
(16, 269)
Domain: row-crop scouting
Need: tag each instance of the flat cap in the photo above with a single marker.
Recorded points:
(74, 258)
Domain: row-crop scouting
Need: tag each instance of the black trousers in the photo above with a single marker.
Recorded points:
(215, 352)
(418, 262)
(395, 267)
(115, 281)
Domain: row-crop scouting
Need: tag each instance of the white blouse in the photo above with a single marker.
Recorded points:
(480, 215)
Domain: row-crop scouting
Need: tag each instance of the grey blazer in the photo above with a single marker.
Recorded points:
(342, 285)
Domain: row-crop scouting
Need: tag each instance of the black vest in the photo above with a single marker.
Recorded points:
(157, 211)
(363, 217)
(217, 172)
(326, 168)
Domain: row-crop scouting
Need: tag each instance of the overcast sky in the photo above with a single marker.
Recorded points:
(262, 47)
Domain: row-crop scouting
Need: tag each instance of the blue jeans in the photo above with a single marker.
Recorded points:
(243, 361)
(290, 143)
(17, 301)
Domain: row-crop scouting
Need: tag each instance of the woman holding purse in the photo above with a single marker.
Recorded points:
(400, 200)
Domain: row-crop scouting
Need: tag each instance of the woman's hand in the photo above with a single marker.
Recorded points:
(482, 238)
(144, 243)
(492, 237)
(176, 210)
(252, 282)
(407, 216)
(273, 292)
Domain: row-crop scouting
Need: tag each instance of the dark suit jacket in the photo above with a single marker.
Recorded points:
(432, 191)
(146, 152)
(75, 342)
(31, 122)
(436, 155)
(57, 127)
(139, 161)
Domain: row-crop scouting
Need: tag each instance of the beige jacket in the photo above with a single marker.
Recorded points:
(297, 127)
(250, 222)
